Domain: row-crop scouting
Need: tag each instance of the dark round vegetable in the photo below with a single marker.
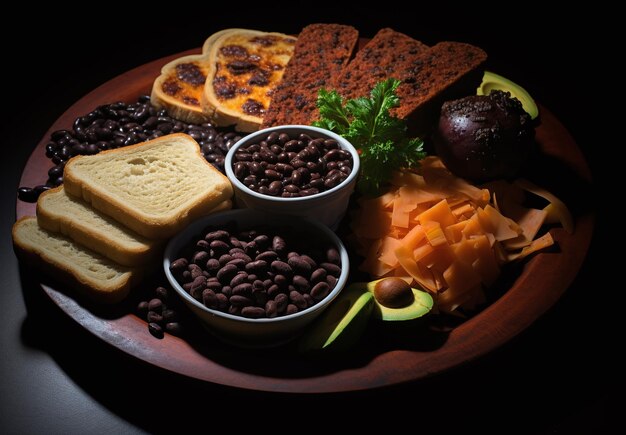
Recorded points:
(484, 137)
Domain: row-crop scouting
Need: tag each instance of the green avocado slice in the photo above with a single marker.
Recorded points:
(493, 81)
(422, 304)
(342, 324)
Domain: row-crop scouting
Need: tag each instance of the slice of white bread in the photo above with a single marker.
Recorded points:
(96, 276)
(62, 213)
(59, 212)
(155, 188)
(178, 89)
(244, 68)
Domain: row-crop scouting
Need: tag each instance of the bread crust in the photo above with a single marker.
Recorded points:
(72, 273)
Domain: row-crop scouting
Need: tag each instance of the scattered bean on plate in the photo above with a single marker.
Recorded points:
(292, 166)
(120, 124)
(161, 313)
(257, 273)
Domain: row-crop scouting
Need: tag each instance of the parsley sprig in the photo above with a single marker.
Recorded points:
(380, 138)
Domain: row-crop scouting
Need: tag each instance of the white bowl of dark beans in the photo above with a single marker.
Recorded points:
(256, 279)
(294, 169)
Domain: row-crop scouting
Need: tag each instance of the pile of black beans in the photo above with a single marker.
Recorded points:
(161, 313)
(286, 166)
(120, 124)
(258, 274)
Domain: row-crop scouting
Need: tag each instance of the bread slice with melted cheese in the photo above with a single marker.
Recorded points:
(244, 68)
(179, 87)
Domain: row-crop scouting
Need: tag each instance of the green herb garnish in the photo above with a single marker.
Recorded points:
(380, 138)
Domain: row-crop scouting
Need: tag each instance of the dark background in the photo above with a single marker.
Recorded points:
(560, 376)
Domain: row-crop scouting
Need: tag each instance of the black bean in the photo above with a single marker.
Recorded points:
(318, 275)
(195, 270)
(268, 256)
(281, 300)
(331, 280)
(331, 268)
(301, 284)
(240, 301)
(280, 280)
(299, 265)
(154, 317)
(209, 298)
(155, 305)
(297, 299)
(219, 246)
(273, 291)
(197, 287)
(309, 192)
(253, 312)
(270, 309)
(224, 258)
(320, 291)
(244, 289)
(162, 293)
(200, 258)
(216, 286)
(239, 262)
(282, 268)
(203, 244)
(240, 169)
(142, 308)
(257, 266)
(179, 265)
(155, 329)
(213, 265)
(278, 244)
(283, 138)
(235, 311)
(292, 309)
(217, 235)
(238, 279)
(27, 194)
(226, 273)
(222, 301)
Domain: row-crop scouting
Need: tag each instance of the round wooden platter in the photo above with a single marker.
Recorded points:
(381, 361)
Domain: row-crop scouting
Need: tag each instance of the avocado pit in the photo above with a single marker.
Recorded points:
(393, 293)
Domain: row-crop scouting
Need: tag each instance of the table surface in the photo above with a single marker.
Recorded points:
(559, 376)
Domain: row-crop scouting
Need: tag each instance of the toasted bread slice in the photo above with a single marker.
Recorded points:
(179, 87)
(154, 188)
(322, 52)
(96, 276)
(388, 54)
(244, 68)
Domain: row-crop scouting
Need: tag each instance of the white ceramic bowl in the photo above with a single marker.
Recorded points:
(328, 207)
(240, 330)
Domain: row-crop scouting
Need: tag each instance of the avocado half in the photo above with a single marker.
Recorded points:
(422, 304)
(493, 81)
(341, 325)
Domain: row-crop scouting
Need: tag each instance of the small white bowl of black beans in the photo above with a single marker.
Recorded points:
(294, 169)
(256, 279)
